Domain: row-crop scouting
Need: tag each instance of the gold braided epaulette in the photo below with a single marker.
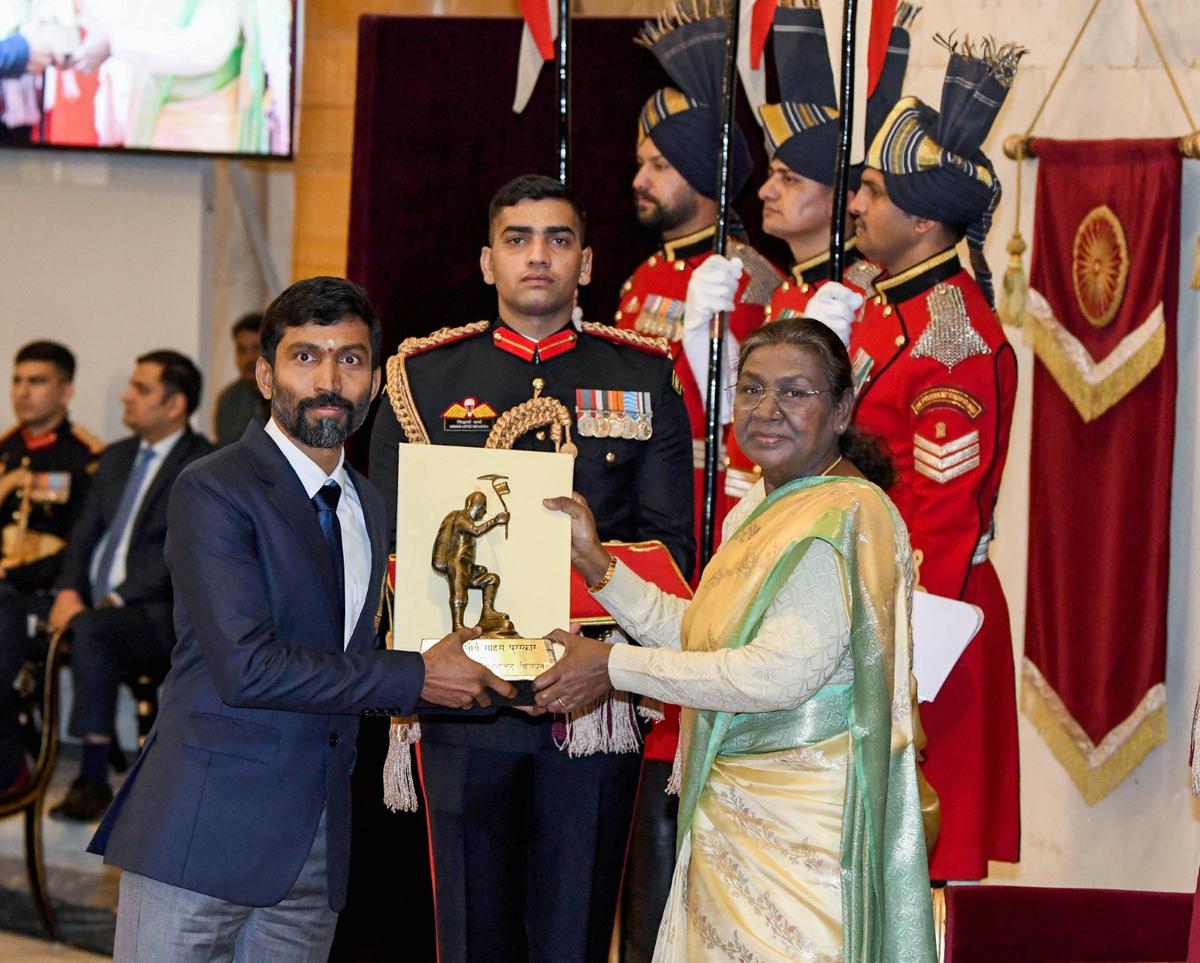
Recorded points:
(411, 346)
(644, 342)
(398, 389)
(95, 445)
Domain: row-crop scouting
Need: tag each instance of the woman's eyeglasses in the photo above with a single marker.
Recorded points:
(747, 397)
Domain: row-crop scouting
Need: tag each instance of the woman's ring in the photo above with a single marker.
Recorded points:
(565, 707)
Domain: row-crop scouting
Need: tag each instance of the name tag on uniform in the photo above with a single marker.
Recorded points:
(605, 413)
(470, 414)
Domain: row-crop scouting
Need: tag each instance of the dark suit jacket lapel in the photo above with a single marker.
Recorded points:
(363, 637)
(287, 495)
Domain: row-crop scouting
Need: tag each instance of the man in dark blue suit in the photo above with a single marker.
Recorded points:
(114, 590)
(233, 829)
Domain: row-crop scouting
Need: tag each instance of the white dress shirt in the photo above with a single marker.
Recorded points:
(161, 449)
(356, 546)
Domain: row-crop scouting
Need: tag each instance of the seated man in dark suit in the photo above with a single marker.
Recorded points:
(233, 828)
(114, 591)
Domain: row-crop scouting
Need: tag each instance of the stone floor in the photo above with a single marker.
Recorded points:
(82, 889)
(22, 949)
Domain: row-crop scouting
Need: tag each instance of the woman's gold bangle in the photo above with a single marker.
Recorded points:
(608, 574)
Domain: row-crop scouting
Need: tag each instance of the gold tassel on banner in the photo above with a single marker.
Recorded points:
(1196, 269)
(1014, 291)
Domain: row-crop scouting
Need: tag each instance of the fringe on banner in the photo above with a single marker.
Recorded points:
(609, 725)
(399, 790)
(1096, 769)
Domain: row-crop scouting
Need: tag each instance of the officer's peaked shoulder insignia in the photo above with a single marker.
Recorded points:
(949, 337)
(633, 339)
(764, 279)
(862, 274)
(410, 347)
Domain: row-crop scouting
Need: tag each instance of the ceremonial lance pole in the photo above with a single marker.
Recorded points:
(562, 89)
(717, 332)
(841, 183)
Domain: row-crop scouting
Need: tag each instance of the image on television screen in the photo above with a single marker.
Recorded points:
(191, 76)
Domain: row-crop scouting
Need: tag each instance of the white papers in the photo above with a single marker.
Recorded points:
(942, 628)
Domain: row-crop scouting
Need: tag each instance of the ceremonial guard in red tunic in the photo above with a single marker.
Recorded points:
(936, 381)
(798, 194)
(677, 290)
(801, 134)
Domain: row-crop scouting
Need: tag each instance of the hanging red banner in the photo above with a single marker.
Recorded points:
(1105, 280)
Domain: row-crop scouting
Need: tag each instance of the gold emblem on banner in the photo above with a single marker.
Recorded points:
(1099, 266)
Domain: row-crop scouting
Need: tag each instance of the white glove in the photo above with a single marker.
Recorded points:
(712, 288)
(835, 306)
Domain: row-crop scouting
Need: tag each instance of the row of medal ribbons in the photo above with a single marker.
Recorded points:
(602, 413)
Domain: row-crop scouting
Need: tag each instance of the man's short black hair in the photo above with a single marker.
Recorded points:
(179, 374)
(51, 351)
(321, 300)
(250, 322)
(534, 187)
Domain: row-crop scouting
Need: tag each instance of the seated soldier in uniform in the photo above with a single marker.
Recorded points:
(46, 465)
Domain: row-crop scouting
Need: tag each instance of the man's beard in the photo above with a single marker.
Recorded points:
(661, 218)
(329, 432)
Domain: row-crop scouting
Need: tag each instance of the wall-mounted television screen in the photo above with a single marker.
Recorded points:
(189, 76)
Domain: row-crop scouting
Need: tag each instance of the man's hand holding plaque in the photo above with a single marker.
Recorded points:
(456, 681)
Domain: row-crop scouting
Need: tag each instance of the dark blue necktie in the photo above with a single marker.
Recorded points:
(325, 501)
(120, 522)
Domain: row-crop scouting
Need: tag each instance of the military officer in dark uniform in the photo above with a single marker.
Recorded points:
(529, 838)
(46, 465)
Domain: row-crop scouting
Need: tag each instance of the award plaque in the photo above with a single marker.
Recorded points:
(476, 547)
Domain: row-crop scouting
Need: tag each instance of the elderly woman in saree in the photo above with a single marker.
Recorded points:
(801, 832)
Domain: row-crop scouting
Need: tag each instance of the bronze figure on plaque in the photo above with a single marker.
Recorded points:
(501, 647)
(454, 557)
